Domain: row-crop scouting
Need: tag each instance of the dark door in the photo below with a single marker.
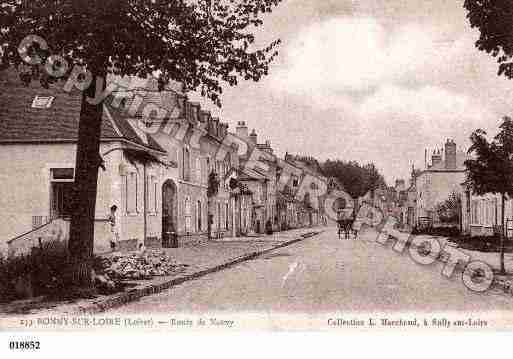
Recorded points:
(62, 195)
(168, 213)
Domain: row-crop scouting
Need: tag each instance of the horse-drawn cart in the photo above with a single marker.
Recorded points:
(345, 225)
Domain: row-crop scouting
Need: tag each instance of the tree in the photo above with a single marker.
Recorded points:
(493, 18)
(356, 179)
(202, 44)
(373, 179)
(491, 169)
(449, 210)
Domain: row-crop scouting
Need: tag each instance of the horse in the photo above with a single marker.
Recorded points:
(346, 226)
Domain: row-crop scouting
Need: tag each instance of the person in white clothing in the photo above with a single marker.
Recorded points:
(113, 227)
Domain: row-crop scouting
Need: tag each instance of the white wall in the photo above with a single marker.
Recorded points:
(435, 187)
(25, 185)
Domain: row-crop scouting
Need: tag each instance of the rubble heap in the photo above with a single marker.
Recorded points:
(140, 265)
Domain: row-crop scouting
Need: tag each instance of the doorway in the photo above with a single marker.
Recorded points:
(169, 214)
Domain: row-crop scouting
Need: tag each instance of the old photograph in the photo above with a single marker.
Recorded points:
(232, 165)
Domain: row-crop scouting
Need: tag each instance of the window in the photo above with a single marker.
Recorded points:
(131, 192)
(481, 212)
(152, 194)
(62, 196)
(227, 222)
(63, 173)
(496, 212)
(61, 184)
(173, 155)
(42, 102)
(123, 103)
(188, 220)
(475, 211)
(199, 177)
(229, 160)
(490, 212)
(156, 189)
(219, 216)
(186, 164)
(205, 210)
(243, 214)
(198, 215)
(485, 211)
(264, 192)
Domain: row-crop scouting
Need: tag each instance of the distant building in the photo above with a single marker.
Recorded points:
(438, 180)
(482, 215)
(400, 185)
(312, 186)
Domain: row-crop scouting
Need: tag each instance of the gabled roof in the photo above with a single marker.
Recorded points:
(336, 184)
(308, 164)
(248, 174)
(21, 123)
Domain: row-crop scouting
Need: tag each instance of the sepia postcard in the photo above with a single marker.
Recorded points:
(236, 165)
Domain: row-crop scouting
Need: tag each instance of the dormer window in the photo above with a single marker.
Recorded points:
(147, 121)
(42, 102)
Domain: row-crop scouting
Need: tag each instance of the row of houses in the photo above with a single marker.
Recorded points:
(173, 180)
(444, 177)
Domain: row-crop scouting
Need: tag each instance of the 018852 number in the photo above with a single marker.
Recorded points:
(24, 345)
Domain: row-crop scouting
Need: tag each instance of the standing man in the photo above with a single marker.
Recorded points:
(113, 227)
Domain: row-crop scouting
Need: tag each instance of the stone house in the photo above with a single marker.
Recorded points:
(257, 171)
(192, 140)
(156, 169)
(437, 181)
(38, 133)
(482, 215)
(311, 186)
(221, 206)
(256, 182)
(183, 192)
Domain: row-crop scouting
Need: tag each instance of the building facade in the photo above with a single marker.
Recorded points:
(159, 171)
(442, 177)
(482, 215)
(38, 133)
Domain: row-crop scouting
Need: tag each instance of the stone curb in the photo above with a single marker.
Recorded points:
(137, 293)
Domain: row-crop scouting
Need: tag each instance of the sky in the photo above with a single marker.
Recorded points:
(371, 81)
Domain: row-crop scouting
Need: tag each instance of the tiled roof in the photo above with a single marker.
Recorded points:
(125, 128)
(19, 122)
(251, 174)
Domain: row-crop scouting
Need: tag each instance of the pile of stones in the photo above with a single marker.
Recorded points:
(140, 265)
(118, 267)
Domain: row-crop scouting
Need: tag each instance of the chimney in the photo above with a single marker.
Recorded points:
(253, 137)
(267, 147)
(399, 185)
(436, 159)
(450, 155)
(241, 130)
